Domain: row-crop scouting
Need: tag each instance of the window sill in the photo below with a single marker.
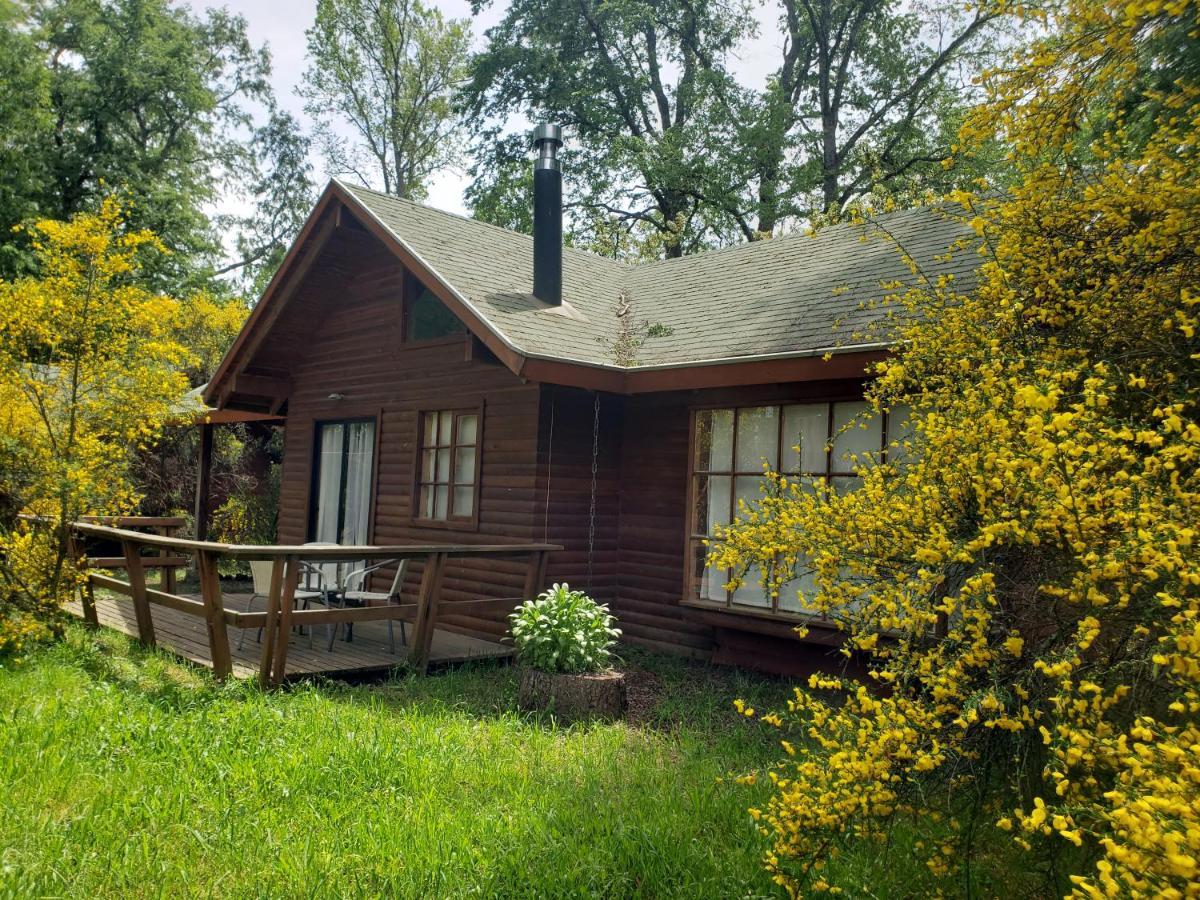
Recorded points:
(765, 621)
(446, 524)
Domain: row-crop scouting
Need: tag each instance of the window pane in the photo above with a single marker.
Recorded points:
(748, 491)
(899, 430)
(429, 430)
(427, 464)
(441, 502)
(444, 422)
(797, 595)
(464, 465)
(757, 438)
(443, 466)
(859, 438)
(464, 501)
(751, 593)
(844, 484)
(426, 504)
(806, 426)
(718, 502)
(714, 440)
(468, 427)
(428, 318)
(709, 580)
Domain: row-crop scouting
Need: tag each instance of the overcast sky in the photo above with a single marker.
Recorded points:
(281, 25)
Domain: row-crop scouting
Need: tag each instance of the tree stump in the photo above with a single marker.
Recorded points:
(573, 696)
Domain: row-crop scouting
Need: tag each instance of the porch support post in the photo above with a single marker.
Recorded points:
(204, 481)
(214, 614)
(427, 604)
(137, 591)
(535, 575)
(283, 628)
(271, 628)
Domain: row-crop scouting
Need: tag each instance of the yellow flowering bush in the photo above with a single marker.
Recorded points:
(1022, 571)
(89, 369)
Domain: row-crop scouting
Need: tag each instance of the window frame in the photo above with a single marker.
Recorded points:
(462, 523)
(692, 539)
(314, 466)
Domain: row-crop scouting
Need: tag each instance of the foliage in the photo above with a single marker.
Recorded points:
(249, 513)
(131, 741)
(29, 609)
(666, 144)
(564, 631)
(645, 90)
(144, 97)
(386, 69)
(89, 370)
(1024, 577)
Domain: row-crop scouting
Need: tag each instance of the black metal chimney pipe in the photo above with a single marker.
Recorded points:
(547, 215)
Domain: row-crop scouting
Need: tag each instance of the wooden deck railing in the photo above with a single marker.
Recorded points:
(280, 615)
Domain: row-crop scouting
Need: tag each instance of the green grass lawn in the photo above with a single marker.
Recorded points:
(127, 774)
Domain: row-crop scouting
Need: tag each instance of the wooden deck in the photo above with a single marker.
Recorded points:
(185, 636)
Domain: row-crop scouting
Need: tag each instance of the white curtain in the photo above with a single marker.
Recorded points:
(329, 483)
(359, 466)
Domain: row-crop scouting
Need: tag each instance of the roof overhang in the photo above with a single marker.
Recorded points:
(223, 391)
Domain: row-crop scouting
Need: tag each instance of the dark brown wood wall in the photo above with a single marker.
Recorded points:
(565, 445)
(352, 347)
(653, 529)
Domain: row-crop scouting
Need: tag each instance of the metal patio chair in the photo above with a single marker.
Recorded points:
(260, 574)
(364, 597)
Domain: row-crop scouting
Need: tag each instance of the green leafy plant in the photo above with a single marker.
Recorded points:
(564, 631)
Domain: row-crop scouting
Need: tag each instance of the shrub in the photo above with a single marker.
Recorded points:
(1026, 580)
(564, 631)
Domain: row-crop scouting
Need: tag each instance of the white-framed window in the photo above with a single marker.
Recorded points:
(809, 442)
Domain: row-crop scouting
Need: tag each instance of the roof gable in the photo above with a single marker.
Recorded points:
(748, 306)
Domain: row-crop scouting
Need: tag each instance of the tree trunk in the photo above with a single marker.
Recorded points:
(573, 696)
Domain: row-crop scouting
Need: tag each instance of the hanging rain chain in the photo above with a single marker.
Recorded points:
(592, 509)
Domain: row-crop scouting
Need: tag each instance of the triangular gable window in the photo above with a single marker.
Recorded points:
(426, 317)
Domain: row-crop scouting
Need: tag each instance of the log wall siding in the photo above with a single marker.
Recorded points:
(653, 528)
(564, 491)
(342, 334)
(353, 348)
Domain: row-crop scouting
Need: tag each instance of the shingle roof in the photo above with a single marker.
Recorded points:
(799, 294)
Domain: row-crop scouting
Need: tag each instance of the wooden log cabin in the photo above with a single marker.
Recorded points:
(442, 378)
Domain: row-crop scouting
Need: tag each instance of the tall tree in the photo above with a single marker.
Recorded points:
(142, 97)
(867, 95)
(645, 91)
(385, 70)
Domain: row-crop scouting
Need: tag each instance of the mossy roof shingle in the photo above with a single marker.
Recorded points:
(798, 294)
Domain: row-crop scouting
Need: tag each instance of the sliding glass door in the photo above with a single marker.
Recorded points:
(344, 463)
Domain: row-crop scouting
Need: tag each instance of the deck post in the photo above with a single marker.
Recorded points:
(137, 591)
(214, 614)
(283, 629)
(271, 628)
(204, 480)
(87, 597)
(168, 573)
(427, 604)
(535, 575)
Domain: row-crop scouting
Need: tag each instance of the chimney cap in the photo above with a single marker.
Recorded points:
(548, 132)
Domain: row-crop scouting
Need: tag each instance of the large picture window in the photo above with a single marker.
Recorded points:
(449, 466)
(811, 442)
(343, 470)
